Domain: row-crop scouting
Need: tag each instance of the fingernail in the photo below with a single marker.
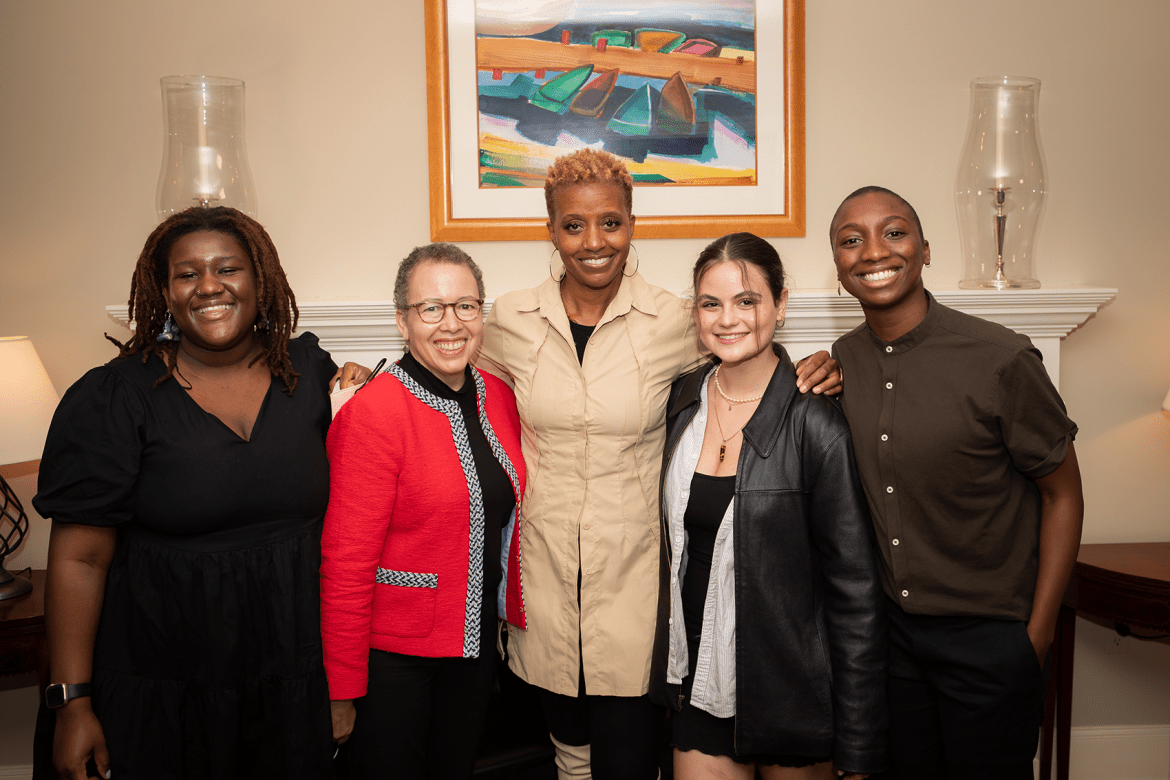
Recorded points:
(109, 773)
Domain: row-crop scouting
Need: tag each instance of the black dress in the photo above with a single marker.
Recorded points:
(208, 654)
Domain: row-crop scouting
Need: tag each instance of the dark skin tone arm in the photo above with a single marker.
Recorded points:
(1062, 511)
(819, 373)
(348, 375)
(79, 557)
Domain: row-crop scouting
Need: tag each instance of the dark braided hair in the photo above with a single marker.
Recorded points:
(276, 306)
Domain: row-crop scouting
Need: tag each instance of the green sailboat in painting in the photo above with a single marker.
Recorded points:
(556, 94)
(636, 115)
(613, 38)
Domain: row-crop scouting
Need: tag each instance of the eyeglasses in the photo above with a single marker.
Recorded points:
(432, 312)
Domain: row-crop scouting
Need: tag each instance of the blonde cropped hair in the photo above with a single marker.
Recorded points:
(587, 166)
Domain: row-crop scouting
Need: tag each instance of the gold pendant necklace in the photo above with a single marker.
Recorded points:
(724, 437)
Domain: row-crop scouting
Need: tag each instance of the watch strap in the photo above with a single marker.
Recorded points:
(60, 694)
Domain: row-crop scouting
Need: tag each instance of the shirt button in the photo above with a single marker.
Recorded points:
(589, 571)
(890, 489)
(885, 437)
(889, 385)
(586, 526)
(895, 542)
(889, 349)
(905, 593)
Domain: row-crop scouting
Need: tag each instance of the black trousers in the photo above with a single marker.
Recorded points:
(423, 717)
(966, 697)
(625, 733)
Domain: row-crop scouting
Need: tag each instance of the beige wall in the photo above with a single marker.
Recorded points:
(337, 139)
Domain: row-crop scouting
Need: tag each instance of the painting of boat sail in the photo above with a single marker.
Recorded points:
(703, 101)
(667, 85)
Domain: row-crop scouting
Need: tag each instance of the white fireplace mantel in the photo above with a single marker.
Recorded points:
(364, 331)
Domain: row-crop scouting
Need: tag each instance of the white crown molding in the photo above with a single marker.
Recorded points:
(814, 316)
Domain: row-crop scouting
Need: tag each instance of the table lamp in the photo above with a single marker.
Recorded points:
(27, 401)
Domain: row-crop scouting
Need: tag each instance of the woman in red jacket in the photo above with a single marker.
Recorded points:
(421, 546)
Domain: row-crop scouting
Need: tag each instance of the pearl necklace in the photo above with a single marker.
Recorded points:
(728, 398)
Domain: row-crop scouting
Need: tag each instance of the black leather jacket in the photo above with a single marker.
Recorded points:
(810, 644)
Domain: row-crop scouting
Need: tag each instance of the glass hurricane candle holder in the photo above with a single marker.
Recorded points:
(205, 160)
(1001, 184)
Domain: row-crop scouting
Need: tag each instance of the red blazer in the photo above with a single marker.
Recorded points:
(398, 531)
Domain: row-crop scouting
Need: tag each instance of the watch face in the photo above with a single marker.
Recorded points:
(55, 695)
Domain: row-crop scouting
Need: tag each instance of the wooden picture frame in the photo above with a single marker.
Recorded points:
(773, 206)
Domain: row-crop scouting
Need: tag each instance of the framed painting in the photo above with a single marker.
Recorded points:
(702, 101)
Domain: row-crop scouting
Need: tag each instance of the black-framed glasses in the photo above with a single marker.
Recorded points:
(432, 311)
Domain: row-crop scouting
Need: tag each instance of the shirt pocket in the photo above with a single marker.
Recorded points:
(404, 603)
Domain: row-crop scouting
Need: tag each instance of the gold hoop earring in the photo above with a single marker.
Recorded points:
(557, 279)
(637, 261)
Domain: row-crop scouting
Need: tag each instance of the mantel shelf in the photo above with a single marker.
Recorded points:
(364, 331)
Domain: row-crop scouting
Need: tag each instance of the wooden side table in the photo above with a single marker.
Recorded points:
(1121, 584)
(23, 647)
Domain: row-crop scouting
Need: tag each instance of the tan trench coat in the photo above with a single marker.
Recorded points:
(592, 438)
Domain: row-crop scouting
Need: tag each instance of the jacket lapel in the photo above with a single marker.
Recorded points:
(763, 429)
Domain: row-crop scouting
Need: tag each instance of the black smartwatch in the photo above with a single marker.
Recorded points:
(60, 694)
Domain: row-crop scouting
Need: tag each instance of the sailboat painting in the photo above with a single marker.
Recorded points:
(669, 86)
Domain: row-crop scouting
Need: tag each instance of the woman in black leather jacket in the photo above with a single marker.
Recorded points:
(770, 638)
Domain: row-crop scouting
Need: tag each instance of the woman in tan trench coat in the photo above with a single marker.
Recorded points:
(591, 353)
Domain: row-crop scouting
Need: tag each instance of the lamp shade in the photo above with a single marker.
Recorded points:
(27, 401)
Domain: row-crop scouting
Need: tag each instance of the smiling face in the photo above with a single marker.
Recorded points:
(591, 227)
(445, 347)
(211, 292)
(879, 252)
(735, 313)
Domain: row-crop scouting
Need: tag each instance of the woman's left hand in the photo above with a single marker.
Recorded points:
(820, 373)
(349, 375)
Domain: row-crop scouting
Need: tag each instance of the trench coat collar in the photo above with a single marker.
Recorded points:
(763, 429)
(633, 293)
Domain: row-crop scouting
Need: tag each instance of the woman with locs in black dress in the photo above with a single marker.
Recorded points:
(186, 481)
